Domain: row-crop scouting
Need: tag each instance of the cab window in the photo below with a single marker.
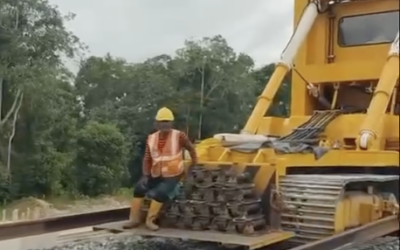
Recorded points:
(368, 29)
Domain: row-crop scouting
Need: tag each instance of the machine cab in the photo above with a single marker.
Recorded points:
(344, 53)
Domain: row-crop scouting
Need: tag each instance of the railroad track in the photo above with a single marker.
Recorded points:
(367, 235)
(61, 223)
(383, 243)
(357, 236)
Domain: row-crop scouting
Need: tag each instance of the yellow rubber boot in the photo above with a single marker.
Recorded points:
(134, 217)
(152, 214)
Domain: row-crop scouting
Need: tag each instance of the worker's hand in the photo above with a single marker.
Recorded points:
(143, 181)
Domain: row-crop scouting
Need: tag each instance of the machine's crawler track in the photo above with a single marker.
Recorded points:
(310, 202)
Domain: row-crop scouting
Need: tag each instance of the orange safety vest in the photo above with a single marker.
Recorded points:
(169, 161)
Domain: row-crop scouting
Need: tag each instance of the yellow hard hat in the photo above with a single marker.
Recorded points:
(164, 114)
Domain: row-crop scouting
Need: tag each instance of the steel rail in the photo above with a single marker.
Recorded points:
(60, 223)
(357, 235)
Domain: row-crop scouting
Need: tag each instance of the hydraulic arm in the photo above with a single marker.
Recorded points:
(372, 126)
(264, 101)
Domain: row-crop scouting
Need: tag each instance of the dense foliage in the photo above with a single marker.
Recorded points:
(66, 134)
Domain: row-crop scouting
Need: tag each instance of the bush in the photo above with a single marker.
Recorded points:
(101, 159)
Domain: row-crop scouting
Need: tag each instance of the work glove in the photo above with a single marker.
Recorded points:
(143, 180)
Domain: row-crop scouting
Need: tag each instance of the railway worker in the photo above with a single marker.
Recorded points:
(162, 169)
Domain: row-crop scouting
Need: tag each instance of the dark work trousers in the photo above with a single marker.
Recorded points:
(158, 189)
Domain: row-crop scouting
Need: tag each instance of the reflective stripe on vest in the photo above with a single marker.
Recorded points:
(168, 162)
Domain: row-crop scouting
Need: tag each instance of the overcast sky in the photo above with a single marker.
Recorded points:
(139, 29)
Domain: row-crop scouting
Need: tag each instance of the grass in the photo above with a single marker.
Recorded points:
(67, 202)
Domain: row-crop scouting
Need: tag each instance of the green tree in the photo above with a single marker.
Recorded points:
(45, 142)
(100, 80)
(61, 138)
(32, 107)
(100, 166)
(215, 86)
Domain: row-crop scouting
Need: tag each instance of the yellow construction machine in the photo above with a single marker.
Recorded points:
(328, 174)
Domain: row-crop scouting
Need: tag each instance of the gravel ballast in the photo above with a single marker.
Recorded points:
(134, 243)
(129, 242)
